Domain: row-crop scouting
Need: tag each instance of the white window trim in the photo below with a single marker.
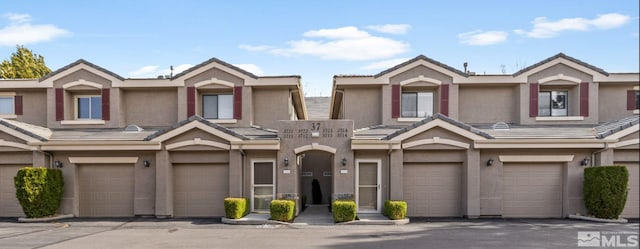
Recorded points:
(560, 118)
(83, 122)
(412, 120)
(223, 121)
(253, 185)
(75, 107)
(378, 162)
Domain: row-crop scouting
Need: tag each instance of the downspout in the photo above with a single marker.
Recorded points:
(389, 173)
(242, 161)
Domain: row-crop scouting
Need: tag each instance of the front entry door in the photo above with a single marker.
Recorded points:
(368, 186)
(263, 186)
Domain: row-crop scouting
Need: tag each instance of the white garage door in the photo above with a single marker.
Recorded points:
(200, 189)
(532, 190)
(9, 205)
(433, 190)
(106, 190)
(632, 208)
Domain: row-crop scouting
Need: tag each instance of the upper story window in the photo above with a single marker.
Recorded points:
(6, 105)
(88, 107)
(217, 106)
(417, 104)
(553, 103)
(637, 100)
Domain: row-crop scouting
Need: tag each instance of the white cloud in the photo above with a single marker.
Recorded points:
(481, 38)
(252, 68)
(152, 71)
(396, 29)
(543, 28)
(345, 43)
(384, 64)
(20, 31)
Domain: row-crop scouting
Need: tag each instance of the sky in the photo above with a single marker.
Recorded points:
(320, 39)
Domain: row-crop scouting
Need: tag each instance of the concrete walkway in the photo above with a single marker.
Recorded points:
(315, 215)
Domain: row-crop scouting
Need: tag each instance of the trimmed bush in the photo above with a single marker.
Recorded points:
(235, 207)
(39, 191)
(605, 190)
(282, 210)
(395, 210)
(344, 210)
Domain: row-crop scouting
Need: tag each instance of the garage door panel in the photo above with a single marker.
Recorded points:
(200, 189)
(632, 207)
(9, 204)
(106, 190)
(532, 190)
(432, 189)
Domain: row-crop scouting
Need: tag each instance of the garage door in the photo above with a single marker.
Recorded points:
(9, 205)
(433, 190)
(106, 190)
(632, 208)
(200, 189)
(532, 190)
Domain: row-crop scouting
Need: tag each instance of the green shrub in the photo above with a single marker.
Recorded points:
(39, 191)
(605, 190)
(395, 210)
(235, 208)
(344, 210)
(282, 210)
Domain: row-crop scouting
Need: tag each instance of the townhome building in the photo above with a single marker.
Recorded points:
(451, 143)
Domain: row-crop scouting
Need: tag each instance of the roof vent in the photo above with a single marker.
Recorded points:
(500, 126)
(133, 128)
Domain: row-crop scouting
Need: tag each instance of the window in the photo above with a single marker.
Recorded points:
(6, 105)
(417, 104)
(88, 107)
(637, 100)
(553, 103)
(219, 106)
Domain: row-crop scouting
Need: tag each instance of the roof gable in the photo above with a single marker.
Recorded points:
(194, 122)
(559, 58)
(211, 63)
(619, 128)
(80, 63)
(23, 131)
(423, 60)
(438, 120)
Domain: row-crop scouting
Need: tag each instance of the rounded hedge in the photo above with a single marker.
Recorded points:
(39, 191)
(605, 190)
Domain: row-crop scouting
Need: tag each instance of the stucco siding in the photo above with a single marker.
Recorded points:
(488, 104)
(155, 108)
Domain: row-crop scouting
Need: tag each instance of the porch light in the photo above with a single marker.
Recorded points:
(286, 162)
(584, 162)
(344, 162)
(57, 164)
(489, 162)
(146, 163)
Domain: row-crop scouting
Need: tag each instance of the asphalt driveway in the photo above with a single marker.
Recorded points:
(210, 233)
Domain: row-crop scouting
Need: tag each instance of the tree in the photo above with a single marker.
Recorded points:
(23, 64)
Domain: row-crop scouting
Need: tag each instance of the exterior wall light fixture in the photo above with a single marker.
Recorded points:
(584, 162)
(57, 164)
(146, 163)
(344, 162)
(286, 162)
(489, 162)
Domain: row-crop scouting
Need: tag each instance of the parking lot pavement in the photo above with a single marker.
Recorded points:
(210, 233)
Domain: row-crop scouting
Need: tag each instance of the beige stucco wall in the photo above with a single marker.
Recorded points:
(270, 105)
(488, 104)
(363, 106)
(150, 108)
(34, 104)
(614, 101)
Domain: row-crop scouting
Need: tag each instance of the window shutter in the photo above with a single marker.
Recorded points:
(533, 99)
(444, 99)
(631, 100)
(106, 110)
(584, 99)
(59, 104)
(395, 101)
(237, 102)
(17, 105)
(191, 101)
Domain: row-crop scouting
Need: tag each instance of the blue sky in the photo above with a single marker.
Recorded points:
(319, 39)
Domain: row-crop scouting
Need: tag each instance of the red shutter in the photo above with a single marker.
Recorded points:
(444, 99)
(533, 99)
(191, 101)
(584, 99)
(17, 105)
(237, 102)
(106, 110)
(631, 100)
(395, 101)
(59, 104)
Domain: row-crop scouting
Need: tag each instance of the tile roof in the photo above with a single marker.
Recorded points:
(443, 118)
(540, 131)
(422, 57)
(318, 107)
(606, 129)
(102, 134)
(216, 60)
(34, 131)
(561, 55)
(255, 132)
(198, 119)
(81, 61)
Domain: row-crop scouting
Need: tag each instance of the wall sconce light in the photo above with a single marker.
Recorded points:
(57, 164)
(286, 162)
(489, 162)
(584, 162)
(344, 162)
(146, 163)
